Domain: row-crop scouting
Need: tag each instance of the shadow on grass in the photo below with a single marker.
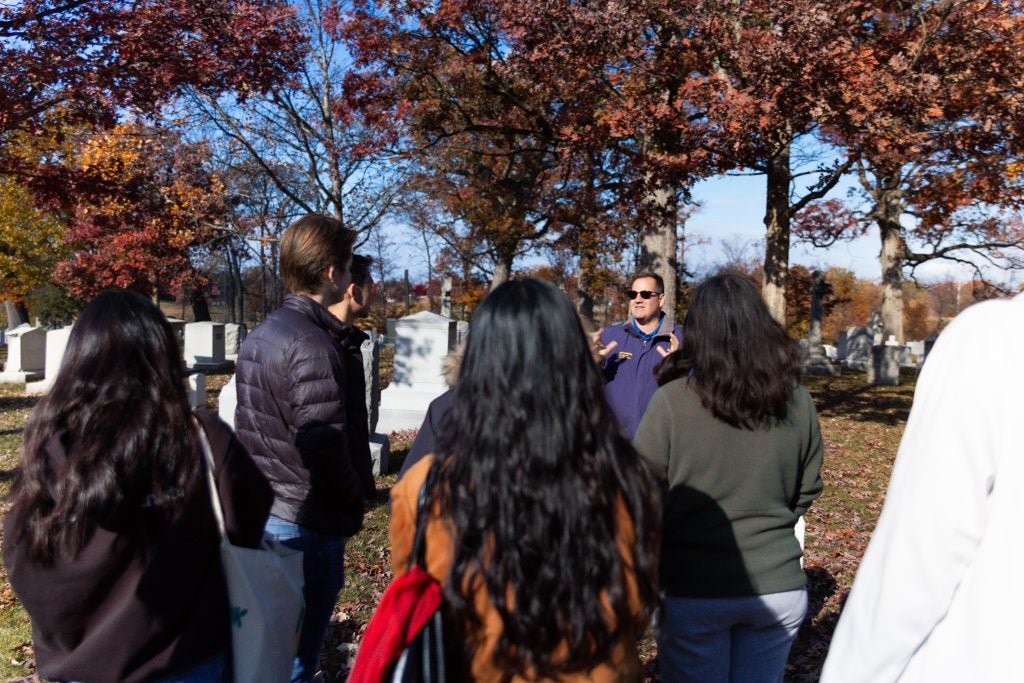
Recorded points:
(17, 403)
(850, 397)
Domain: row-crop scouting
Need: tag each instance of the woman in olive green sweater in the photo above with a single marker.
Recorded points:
(736, 438)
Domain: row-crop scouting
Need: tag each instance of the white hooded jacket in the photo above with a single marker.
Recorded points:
(940, 593)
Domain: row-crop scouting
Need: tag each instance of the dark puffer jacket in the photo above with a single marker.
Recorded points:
(291, 416)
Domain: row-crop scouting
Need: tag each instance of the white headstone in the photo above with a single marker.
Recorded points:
(56, 344)
(234, 335)
(197, 390)
(422, 341)
(26, 354)
(227, 401)
(204, 344)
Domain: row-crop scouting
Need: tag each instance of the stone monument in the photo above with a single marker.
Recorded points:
(380, 445)
(204, 347)
(26, 354)
(884, 368)
(816, 361)
(422, 341)
(56, 344)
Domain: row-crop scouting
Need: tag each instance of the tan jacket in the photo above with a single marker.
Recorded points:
(623, 662)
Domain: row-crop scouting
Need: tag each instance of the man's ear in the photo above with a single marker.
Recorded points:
(350, 291)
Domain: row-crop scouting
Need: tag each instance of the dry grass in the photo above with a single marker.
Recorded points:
(861, 425)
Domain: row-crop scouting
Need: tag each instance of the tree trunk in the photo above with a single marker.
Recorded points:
(658, 240)
(200, 306)
(887, 211)
(17, 314)
(584, 299)
(776, 240)
(502, 270)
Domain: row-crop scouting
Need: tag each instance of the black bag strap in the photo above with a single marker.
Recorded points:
(419, 544)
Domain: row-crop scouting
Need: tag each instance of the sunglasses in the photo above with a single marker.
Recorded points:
(644, 294)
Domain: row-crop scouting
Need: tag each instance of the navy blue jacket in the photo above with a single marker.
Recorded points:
(629, 370)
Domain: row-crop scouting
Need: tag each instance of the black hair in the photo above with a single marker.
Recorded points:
(360, 269)
(735, 355)
(535, 479)
(120, 410)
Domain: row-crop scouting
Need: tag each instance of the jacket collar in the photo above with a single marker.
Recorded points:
(318, 314)
(668, 325)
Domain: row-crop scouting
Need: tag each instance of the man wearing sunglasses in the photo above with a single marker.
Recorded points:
(632, 350)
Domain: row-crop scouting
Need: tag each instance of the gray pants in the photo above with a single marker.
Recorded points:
(740, 640)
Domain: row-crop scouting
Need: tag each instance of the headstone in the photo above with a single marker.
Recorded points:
(841, 350)
(227, 401)
(815, 360)
(204, 347)
(380, 454)
(859, 341)
(56, 344)
(884, 368)
(422, 341)
(178, 327)
(26, 354)
(830, 352)
(875, 327)
(389, 332)
(380, 444)
(234, 335)
(446, 296)
(197, 390)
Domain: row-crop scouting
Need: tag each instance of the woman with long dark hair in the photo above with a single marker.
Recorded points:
(111, 543)
(544, 521)
(736, 438)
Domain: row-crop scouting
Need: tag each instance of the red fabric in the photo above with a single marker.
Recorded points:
(404, 609)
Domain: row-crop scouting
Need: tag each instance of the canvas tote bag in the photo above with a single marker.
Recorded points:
(265, 597)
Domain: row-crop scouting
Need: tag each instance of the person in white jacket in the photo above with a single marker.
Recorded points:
(940, 593)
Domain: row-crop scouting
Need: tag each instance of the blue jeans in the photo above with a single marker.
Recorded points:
(741, 640)
(323, 569)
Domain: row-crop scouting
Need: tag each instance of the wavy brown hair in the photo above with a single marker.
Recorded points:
(534, 482)
(120, 411)
(738, 359)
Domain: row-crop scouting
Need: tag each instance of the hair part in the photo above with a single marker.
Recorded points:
(737, 357)
(534, 479)
(659, 281)
(309, 246)
(120, 412)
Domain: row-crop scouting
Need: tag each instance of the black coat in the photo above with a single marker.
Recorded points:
(291, 416)
(116, 613)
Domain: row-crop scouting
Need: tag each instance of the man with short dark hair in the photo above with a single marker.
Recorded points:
(355, 305)
(291, 418)
(632, 350)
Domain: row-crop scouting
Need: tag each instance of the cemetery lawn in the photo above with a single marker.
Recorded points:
(861, 426)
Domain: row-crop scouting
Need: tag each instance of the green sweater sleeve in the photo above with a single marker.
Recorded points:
(653, 438)
(811, 485)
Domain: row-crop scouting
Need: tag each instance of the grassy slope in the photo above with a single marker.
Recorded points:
(861, 426)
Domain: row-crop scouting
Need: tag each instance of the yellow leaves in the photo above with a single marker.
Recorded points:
(31, 242)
